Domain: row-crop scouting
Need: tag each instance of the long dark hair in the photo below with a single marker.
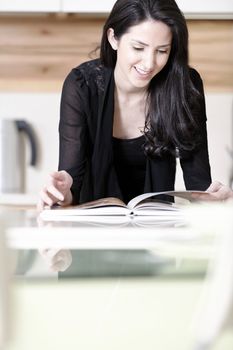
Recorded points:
(173, 100)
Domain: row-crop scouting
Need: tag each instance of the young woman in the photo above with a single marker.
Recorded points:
(126, 116)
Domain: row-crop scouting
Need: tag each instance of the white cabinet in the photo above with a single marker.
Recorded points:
(30, 5)
(87, 6)
(191, 9)
(206, 8)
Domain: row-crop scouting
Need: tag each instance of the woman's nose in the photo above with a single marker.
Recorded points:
(149, 61)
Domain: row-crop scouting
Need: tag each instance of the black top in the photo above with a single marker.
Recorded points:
(86, 152)
(130, 166)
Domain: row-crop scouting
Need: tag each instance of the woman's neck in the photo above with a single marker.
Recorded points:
(129, 113)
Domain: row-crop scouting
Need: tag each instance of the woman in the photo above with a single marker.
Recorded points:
(126, 116)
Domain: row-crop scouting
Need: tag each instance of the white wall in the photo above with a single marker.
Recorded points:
(220, 129)
(219, 107)
(42, 111)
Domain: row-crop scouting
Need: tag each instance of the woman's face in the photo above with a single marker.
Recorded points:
(142, 53)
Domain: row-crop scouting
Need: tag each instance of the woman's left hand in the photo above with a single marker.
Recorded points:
(215, 192)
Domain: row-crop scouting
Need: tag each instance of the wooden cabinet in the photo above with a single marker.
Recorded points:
(30, 6)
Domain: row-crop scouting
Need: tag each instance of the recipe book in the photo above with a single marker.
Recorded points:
(147, 204)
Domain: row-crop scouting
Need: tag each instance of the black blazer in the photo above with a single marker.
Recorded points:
(85, 135)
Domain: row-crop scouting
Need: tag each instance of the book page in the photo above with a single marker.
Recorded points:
(105, 206)
(181, 194)
(115, 206)
(102, 202)
(154, 205)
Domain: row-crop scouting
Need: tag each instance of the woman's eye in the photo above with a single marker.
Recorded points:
(162, 51)
(138, 48)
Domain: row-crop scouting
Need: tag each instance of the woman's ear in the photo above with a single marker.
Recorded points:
(112, 39)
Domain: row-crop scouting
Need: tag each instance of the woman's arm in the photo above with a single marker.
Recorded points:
(73, 134)
(63, 186)
(196, 166)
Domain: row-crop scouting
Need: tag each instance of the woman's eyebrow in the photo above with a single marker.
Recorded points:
(139, 42)
(164, 45)
(144, 44)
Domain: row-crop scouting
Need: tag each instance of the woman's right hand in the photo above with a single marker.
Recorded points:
(57, 190)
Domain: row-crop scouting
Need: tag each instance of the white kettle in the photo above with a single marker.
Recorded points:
(13, 134)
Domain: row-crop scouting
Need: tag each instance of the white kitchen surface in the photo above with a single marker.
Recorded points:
(16, 199)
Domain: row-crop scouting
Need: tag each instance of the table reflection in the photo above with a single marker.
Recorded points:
(67, 263)
(108, 259)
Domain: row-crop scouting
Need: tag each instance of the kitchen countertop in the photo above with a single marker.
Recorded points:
(18, 200)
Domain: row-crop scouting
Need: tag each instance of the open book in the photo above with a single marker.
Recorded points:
(147, 204)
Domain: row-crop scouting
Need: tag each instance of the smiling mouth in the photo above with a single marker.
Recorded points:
(142, 72)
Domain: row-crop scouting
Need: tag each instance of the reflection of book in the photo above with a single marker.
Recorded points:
(147, 204)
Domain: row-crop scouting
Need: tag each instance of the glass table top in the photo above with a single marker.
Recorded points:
(93, 285)
(109, 248)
